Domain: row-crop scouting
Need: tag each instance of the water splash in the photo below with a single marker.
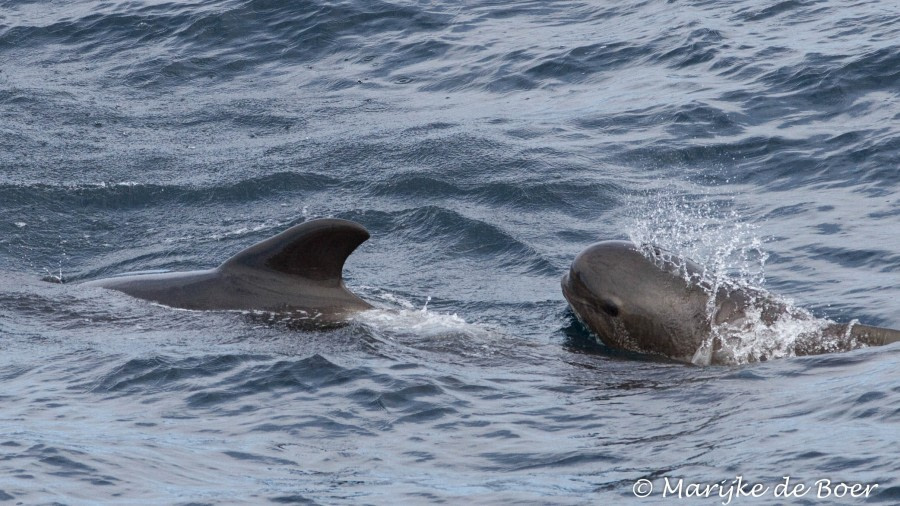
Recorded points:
(711, 231)
(403, 317)
(761, 334)
(708, 229)
(400, 322)
(418, 322)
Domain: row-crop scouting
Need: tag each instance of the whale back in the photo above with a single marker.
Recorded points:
(299, 269)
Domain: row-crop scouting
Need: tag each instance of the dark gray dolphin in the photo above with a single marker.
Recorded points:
(297, 271)
(653, 302)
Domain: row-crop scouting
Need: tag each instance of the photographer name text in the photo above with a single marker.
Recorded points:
(732, 489)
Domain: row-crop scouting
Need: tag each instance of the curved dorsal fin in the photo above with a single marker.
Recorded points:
(316, 249)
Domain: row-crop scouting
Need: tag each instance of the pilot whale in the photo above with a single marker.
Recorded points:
(646, 300)
(298, 271)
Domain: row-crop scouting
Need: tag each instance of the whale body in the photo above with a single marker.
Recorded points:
(298, 271)
(646, 300)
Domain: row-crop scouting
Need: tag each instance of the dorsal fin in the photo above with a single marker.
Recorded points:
(874, 336)
(316, 249)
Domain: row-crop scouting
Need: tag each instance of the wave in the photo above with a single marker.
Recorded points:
(132, 194)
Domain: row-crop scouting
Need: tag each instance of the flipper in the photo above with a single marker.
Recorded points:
(874, 336)
(314, 250)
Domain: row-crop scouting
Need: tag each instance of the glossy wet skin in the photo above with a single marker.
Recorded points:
(241, 289)
(298, 271)
(631, 303)
(662, 306)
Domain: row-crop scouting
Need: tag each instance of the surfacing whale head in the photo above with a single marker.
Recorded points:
(646, 300)
(633, 304)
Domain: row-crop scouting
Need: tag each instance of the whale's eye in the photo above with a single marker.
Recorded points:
(609, 307)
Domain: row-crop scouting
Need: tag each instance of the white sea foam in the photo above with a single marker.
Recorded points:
(403, 316)
(400, 320)
(420, 322)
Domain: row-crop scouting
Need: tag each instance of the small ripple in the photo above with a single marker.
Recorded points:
(125, 195)
(701, 46)
(511, 462)
(60, 462)
(263, 459)
(771, 11)
(460, 235)
(308, 375)
(890, 495)
(563, 195)
(164, 374)
(428, 414)
(219, 40)
(882, 260)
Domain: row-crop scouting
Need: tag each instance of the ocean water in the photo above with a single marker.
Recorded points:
(483, 144)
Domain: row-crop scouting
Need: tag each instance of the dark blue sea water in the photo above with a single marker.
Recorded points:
(483, 144)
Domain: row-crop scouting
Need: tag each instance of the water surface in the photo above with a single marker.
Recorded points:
(484, 144)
